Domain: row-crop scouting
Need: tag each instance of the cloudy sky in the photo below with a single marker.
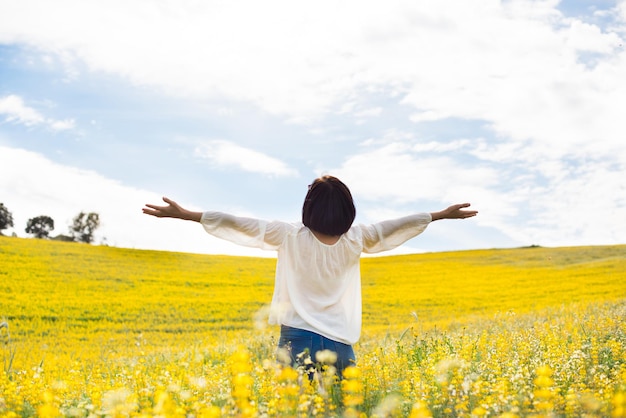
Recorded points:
(516, 106)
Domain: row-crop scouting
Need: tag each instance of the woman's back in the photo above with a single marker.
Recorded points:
(318, 285)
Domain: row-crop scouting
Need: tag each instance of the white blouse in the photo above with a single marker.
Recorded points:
(317, 286)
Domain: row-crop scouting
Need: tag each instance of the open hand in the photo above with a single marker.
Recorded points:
(172, 210)
(454, 212)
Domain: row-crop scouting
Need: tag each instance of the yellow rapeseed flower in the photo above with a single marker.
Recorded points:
(166, 331)
(351, 372)
(420, 410)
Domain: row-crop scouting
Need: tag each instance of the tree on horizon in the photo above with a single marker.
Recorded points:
(40, 226)
(6, 218)
(83, 227)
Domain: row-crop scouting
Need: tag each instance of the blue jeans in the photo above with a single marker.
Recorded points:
(297, 341)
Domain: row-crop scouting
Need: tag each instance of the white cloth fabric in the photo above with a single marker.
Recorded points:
(317, 286)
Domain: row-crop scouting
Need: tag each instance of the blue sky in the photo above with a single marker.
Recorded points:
(514, 106)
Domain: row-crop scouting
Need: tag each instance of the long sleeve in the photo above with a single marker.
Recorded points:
(387, 235)
(249, 232)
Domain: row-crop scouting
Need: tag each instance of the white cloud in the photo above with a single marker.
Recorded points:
(62, 125)
(583, 204)
(434, 146)
(368, 113)
(515, 64)
(428, 115)
(521, 191)
(16, 111)
(582, 36)
(396, 173)
(61, 192)
(228, 154)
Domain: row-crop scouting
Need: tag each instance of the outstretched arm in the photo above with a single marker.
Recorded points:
(172, 210)
(389, 234)
(454, 212)
(250, 232)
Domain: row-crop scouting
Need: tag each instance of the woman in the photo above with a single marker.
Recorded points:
(317, 293)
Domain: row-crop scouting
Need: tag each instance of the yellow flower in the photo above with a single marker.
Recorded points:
(420, 410)
(48, 411)
(479, 412)
(288, 374)
(544, 371)
(351, 372)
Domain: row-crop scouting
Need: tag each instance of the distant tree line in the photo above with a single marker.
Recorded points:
(81, 229)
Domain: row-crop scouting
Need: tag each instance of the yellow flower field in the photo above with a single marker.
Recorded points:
(88, 331)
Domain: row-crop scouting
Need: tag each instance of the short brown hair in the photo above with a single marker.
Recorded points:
(328, 207)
